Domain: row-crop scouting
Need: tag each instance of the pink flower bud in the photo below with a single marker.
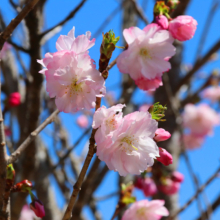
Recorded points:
(177, 177)
(14, 99)
(38, 208)
(161, 135)
(183, 27)
(82, 121)
(162, 21)
(169, 187)
(139, 183)
(149, 187)
(165, 157)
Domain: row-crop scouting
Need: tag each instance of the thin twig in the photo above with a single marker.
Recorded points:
(199, 63)
(140, 12)
(31, 137)
(18, 47)
(196, 194)
(14, 22)
(71, 15)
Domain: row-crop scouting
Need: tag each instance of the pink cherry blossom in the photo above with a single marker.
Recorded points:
(26, 213)
(177, 177)
(80, 44)
(212, 93)
(73, 80)
(161, 135)
(169, 187)
(145, 58)
(183, 27)
(149, 84)
(165, 157)
(192, 141)
(200, 119)
(162, 21)
(82, 121)
(144, 209)
(130, 148)
(149, 187)
(107, 120)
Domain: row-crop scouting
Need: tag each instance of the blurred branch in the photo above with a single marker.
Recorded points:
(213, 207)
(14, 22)
(199, 63)
(3, 163)
(18, 47)
(206, 28)
(71, 15)
(196, 195)
(140, 12)
(31, 137)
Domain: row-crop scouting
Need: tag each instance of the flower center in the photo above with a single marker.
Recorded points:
(141, 212)
(129, 146)
(74, 88)
(111, 123)
(145, 54)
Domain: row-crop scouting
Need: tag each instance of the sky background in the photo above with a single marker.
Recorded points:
(205, 160)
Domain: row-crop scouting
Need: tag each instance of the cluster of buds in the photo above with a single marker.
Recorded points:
(24, 186)
(169, 184)
(181, 28)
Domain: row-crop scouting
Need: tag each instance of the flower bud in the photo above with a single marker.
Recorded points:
(169, 187)
(165, 157)
(149, 187)
(177, 177)
(23, 186)
(161, 135)
(183, 27)
(38, 208)
(139, 183)
(162, 21)
(14, 99)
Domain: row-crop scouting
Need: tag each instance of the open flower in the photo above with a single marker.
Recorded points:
(144, 209)
(147, 54)
(80, 44)
(200, 119)
(73, 80)
(212, 93)
(130, 149)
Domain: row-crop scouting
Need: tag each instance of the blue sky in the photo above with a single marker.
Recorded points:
(204, 160)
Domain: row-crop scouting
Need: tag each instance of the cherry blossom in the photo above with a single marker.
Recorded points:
(147, 55)
(145, 209)
(212, 93)
(5, 47)
(149, 187)
(73, 80)
(38, 208)
(130, 149)
(80, 44)
(162, 21)
(169, 187)
(200, 119)
(177, 177)
(14, 99)
(192, 141)
(183, 27)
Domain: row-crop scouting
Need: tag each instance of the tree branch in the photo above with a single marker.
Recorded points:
(31, 137)
(71, 15)
(14, 22)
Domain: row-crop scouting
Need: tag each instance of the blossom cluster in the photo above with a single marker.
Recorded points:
(167, 184)
(150, 49)
(128, 144)
(199, 120)
(71, 75)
